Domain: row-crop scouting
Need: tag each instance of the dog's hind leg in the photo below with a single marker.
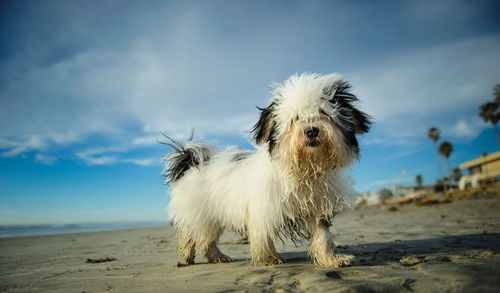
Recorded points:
(187, 246)
(212, 252)
(322, 249)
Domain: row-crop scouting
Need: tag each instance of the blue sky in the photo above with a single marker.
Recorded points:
(86, 86)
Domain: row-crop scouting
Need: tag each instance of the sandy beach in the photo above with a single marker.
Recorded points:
(449, 247)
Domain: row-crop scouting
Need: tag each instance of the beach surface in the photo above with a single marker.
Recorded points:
(448, 247)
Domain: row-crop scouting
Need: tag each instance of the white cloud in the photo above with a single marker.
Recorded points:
(391, 181)
(112, 155)
(99, 156)
(99, 160)
(441, 86)
(103, 91)
(13, 148)
(185, 70)
(143, 162)
(468, 129)
(99, 151)
(45, 159)
(401, 154)
(146, 140)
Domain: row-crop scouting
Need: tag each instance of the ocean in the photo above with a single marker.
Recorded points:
(7, 231)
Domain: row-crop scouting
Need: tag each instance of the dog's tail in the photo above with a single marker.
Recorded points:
(183, 157)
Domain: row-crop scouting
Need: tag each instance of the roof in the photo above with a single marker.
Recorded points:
(481, 160)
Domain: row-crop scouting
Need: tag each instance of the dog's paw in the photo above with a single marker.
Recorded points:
(220, 259)
(272, 260)
(344, 260)
(335, 261)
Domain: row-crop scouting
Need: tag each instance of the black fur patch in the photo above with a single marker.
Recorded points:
(264, 129)
(342, 92)
(353, 120)
(271, 141)
(182, 159)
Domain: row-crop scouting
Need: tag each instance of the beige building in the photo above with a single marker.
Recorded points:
(484, 170)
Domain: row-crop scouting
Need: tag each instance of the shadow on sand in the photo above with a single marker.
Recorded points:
(381, 253)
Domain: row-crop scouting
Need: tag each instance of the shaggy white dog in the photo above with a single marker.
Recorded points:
(292, 185)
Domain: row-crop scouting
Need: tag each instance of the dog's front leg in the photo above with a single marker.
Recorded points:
(262, 247)
(322, 249)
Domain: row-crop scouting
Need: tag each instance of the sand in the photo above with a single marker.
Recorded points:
(451, 247)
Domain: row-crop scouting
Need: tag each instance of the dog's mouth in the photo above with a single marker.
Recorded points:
(313, 143)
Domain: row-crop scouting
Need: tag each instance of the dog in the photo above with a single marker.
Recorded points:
(291, 185)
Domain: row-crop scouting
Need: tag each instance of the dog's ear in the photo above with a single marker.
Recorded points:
(362, 120)
(351, 120)
(263, 129)
(340, 96)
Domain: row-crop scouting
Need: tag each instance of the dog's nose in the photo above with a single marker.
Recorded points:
(312, 132)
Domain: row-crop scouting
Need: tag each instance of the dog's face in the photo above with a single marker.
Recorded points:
(311, 124)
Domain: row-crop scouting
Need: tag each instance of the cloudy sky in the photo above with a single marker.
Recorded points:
(86, 86)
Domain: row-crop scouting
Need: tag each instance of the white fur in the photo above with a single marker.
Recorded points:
(288, 191)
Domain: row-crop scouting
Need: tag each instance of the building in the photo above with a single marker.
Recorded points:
(402, 191)
(483, 171)
(394, 194)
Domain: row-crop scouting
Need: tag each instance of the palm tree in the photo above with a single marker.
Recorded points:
(434, 134)
(457, 174)
(418, 180)
(445, 149)
(496, 93)
(489, 112)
